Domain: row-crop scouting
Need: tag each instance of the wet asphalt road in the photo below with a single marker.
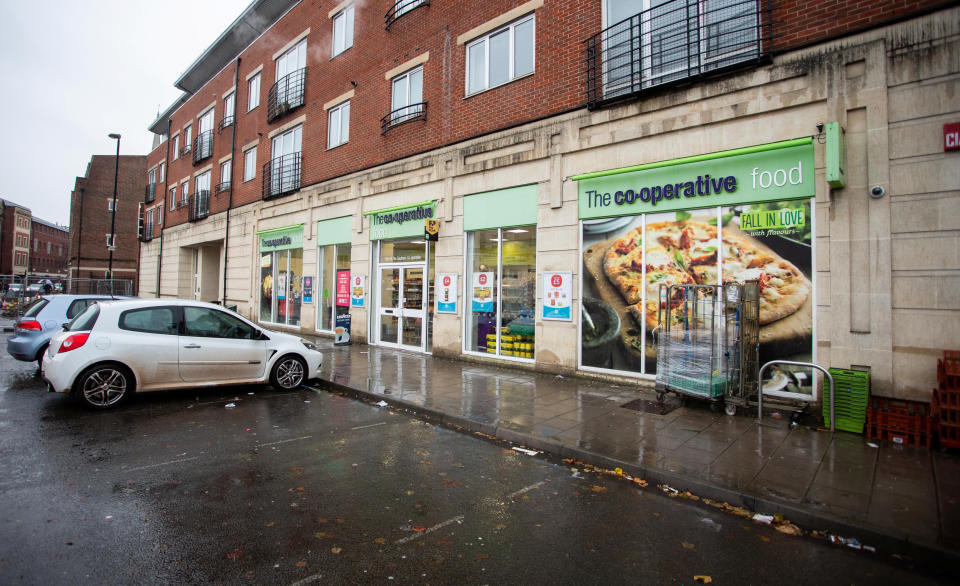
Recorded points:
(309, 487)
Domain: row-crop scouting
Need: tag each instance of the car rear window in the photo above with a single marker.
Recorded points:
(86, 320)
(77, 307)
(34, 308)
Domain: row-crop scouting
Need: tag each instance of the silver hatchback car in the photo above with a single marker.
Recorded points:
(43, 318)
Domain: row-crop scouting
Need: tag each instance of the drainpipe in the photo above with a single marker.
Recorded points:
(233, 170)
(79, 239)
(163, 204)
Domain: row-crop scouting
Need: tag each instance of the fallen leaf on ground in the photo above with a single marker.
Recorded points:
(335, 550)
(482, 556)
(379, 540)
(788, 528)
(301, 564)
(499, 526)
(321, 534)
(419, 528)
(270, 524)
(703, 579)
(688, 545)
(451, 483)
(599, 488)
(234, 555)
(765, 538)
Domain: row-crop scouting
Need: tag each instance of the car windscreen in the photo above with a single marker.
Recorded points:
(34, 308)
(85, 321)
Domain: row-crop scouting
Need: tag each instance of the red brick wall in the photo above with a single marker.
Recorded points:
(557, 85)
(90, 218)
(55, 261)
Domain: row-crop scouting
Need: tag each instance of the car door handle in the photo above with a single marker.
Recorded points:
(192, 346)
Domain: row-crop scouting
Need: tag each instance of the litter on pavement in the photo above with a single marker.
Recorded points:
(525, 451)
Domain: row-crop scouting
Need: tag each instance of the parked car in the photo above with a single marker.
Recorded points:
(43, 318)
(114, 349)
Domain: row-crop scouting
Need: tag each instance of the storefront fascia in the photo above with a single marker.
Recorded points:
(280, 266)
(510, 337)
(401, 278)
(752, 194)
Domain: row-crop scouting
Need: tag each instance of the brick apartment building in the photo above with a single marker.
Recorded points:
(14, 238)
(91, 205)
(313, 138)
(49, 249)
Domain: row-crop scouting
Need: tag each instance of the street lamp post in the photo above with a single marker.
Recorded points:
(113, 216)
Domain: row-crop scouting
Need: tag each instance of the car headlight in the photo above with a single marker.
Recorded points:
(308, 345)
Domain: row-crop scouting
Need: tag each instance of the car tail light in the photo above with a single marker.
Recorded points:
(29, 324)
(72, 342)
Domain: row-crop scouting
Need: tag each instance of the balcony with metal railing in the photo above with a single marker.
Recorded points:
(281, 176)
(225, 122)
(199, 205)
(150, 193)
(402, 115)
(223, 187)
(400, 8)
(287, 94)
(203, 146)
(147, 234)
(674, 42)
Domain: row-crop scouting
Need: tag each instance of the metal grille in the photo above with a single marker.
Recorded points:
(674, 41)
(224, 122)
(147, 230)
(281, 175)
(401, 115)
(401, 7)
(202, 146)
(151, 193)
(199, 205)
(224, 186)
(286, 94)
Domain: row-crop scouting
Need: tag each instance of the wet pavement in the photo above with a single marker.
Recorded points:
(311, 487)
(899, 498)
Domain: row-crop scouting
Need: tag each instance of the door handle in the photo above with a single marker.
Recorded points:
(192, 346)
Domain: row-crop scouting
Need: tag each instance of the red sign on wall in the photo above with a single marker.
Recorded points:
(343, 288)
(951, 136)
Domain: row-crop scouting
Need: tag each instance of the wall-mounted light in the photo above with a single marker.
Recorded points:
(819, 135)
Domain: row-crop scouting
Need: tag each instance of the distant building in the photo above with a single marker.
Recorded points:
(14, 238)
(91, 214)
(49, 249)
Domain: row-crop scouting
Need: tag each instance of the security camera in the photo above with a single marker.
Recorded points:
(819, 127)
(877, 191)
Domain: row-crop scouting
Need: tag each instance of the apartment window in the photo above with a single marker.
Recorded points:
(226, 170)
(187, 138)
(111, 240)
(160, 174)
(338, 131)
(401, 7)
(159, 214)
(229, 107)
(176, 147)
(48, 247)
(250, 164)
(343, 30)
(173, 197)
(110, 204)
(285, 163)
(288, 92)
(148, 219)
(253, 92)
(184, 193)
(501, 56)
(407, 96)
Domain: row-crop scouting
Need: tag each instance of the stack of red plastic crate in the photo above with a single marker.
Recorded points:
(946, 399)
(900, 421)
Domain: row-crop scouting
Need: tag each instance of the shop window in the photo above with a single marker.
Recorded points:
(501, 285)
(280, 286)
(331, 259)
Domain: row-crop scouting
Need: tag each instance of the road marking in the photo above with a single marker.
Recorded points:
(527, 489)
(410, 538)
(296, 439)
(366, 426)
(160, 464)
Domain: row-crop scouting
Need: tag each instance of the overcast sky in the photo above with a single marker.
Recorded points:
(77, 70)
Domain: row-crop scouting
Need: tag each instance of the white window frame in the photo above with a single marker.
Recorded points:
(484, 40)
(342, 113)
(250, 164)
(410, 5)
(395, 115)
(185, 193)
(253, 92)
(188, 137)
(176, 147)
(230, 105)
(110, 205)
(159, 215)
(226, 172)
(160, 174)
(173, 198)
(344, 18)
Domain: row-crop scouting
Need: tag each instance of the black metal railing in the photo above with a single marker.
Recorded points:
(224, 122)
(400, 8)
(147, 235)
(672, 42)
(223, 186)
(287, 94)
(203, 146)
(185, 149)
(401, 115)
(199, 205)
(151, 193)
(281, 175)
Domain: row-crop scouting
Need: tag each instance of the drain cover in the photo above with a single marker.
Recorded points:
(648, 406)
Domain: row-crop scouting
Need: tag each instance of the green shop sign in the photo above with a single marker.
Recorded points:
(281, 238)
(401, 221)
(771, 172)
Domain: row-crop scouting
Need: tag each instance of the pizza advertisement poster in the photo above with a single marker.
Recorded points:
(627, 258)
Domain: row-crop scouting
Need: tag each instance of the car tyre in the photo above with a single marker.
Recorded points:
(40, 356)
(288, 373)
(103, 386)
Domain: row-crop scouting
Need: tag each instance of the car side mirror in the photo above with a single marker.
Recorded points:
(65, 325)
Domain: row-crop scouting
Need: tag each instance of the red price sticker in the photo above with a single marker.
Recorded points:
(446, 281)
(556, 280)
(482, 280)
